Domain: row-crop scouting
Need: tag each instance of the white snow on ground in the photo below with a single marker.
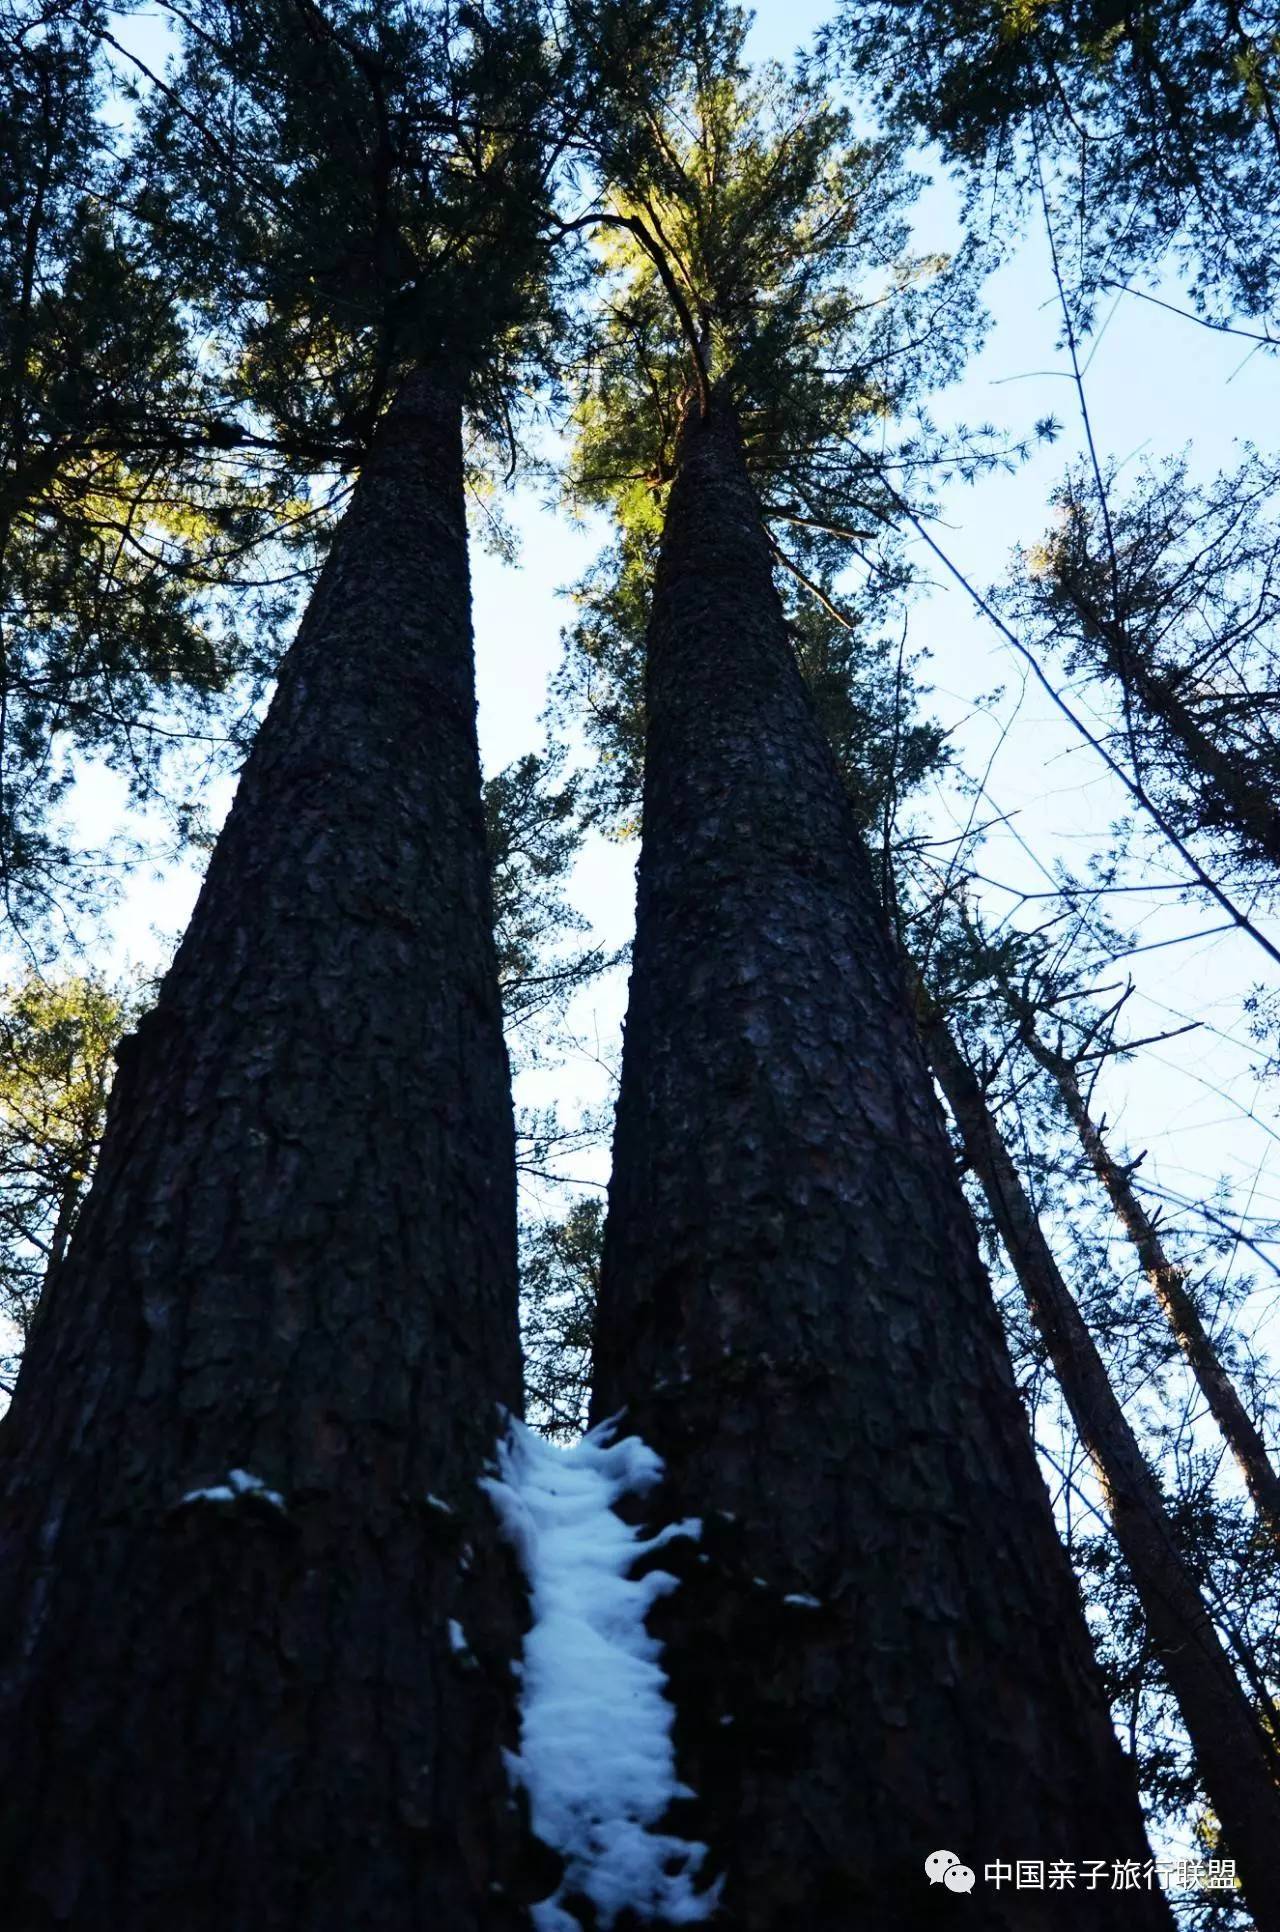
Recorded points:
(595, 1735)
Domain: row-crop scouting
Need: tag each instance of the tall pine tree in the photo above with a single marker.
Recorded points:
(240, 1470)
(882, 1650)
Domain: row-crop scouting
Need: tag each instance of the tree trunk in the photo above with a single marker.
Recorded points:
(1233, 796)
(1238, 1767)
(882, 1653)
(1169, 1281)
(297, 1261)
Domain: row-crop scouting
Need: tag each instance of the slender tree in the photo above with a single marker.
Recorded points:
(1167, 1278)
(1168, 596)
(882, 1651)
(240, 1470)
(1239, 1764)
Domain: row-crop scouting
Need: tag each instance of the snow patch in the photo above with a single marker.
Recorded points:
(240, 1482)
(596, 1757)
(460, 1647)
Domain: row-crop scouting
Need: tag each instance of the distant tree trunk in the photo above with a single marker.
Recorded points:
(298, 1261)
(1238, 1766)
(883, 1652)
(1168, 1280)
(1231, 795)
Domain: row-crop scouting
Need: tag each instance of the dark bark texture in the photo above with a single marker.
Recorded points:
(877, 1649)
(1168, 1281)
(298, 1260)
(1238, 1766)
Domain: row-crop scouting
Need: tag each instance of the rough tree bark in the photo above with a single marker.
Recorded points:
(877, 1649)
(297, 1260)
(1238, 1766)
(1167, 1279)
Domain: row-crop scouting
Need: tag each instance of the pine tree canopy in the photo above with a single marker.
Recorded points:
(1161, 119)
(748, 242)
(1168, 591)
(207, 299)
(348, 191)
(129, 523)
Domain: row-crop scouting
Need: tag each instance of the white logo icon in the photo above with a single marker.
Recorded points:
(944, 1868)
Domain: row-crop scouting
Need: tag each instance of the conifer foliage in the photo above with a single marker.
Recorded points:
(132, 500)
(56, 1046)
(1163, 120)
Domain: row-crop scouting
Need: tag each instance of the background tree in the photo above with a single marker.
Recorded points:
(560, 1282)
(534, 822)
(1067, 1063)
(57, 1042)
(1039, 1194)
(1160, 120)
(1168, 595)
(1235, 1752)
(150, 539)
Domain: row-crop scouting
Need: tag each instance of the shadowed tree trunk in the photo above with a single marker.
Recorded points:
(297, 1261)
(1237, 1765)
(1167, 1279)
(883, 1652)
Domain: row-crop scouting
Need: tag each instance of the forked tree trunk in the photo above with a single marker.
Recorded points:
(1238, 1766)
(297, 1261)
(1168, 1281)
(883, 1653)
